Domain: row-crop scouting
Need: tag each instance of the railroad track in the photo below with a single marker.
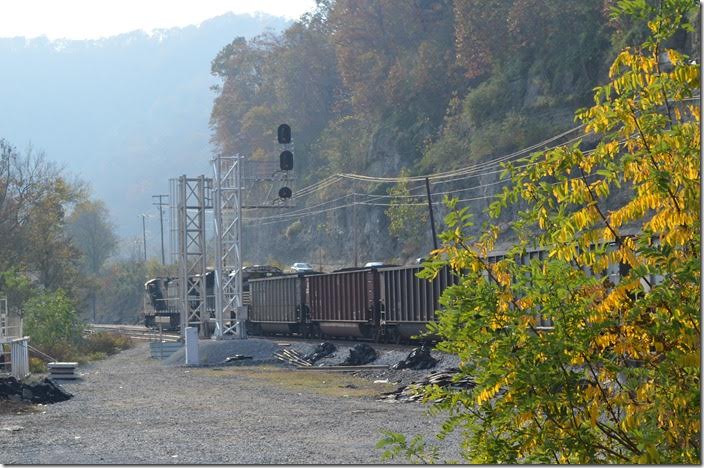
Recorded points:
(142, 332)
(137, 332)
(407, 347)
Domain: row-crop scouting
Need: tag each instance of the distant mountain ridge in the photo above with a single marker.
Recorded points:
(124, 113)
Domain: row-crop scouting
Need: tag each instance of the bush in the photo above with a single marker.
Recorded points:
(106, 344)
(294, 229)
(37, 365)
(52, 322)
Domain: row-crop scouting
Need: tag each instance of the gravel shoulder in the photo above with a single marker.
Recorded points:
(130, 409)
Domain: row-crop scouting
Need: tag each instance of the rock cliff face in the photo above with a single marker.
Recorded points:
(526, 106)
(327, 240)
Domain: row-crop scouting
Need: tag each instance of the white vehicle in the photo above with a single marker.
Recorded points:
(302, 268)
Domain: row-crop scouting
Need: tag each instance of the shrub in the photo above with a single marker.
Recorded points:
(294, 229)
(52, 322)
(105, 343)
(37, 365)
(616, 378)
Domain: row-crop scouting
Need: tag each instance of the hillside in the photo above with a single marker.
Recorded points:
(380, 87)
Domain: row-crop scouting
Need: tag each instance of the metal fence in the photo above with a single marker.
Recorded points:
(14, 357)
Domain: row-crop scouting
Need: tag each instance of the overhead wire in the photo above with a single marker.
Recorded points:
(464, 171)
(437, 177)
(304, 212)
(475, 170)
(348, 205)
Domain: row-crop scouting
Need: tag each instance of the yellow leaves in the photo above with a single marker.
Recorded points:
(694, 112)
(691, 360)
(524, 303)
(607, 234)
(605, 340)
(577, 360)
(523, 417)
(591, 392)
(503, 278)
(488, 393)
(674, 56)
(645, 391)
(593, 413)
(631, 420)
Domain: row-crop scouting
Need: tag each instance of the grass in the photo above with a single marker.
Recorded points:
(334, 384)
(93, 347)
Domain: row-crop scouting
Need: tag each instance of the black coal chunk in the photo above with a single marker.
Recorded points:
(44, 391)
(322, 350)
(359, 355)
(417, 359)
(10, 386)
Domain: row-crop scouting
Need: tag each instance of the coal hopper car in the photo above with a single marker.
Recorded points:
(278, 306)
(345, 303)
(409, 303)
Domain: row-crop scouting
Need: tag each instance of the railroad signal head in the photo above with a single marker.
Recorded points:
(286, 160)
(285, 192)
(283, 134)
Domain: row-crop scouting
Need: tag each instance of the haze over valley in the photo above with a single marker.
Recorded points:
(123, 113)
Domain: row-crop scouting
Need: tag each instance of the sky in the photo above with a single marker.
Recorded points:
(92, 19)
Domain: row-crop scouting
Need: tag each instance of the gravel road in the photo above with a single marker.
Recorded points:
(130, 409)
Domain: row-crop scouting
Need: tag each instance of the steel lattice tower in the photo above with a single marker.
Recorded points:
(192, 197)
(230, 315)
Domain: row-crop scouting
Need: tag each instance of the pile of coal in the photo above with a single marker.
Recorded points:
(444, 379)
(417, 359)
(10, 386)
(359, 355)
(322, 350)
(44, 391)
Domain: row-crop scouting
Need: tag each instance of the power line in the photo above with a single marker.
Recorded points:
(330, 180)
(284, 217)
(437, 177)
(463, 171)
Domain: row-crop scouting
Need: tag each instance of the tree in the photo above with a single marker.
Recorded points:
(34, 195)
(408, 216)
(90, 231)
(617, 378)
(121, 290)
(51, 320)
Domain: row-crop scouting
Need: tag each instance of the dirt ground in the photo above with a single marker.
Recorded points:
(130, 409)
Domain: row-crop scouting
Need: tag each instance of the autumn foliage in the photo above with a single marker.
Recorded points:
(617, 377)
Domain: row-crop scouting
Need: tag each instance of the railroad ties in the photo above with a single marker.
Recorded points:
(444, 379)
(298, 360)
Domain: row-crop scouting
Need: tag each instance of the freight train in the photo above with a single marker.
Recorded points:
(376, 303)
(380, 304)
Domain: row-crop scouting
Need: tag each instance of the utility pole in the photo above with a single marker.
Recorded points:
(432, 219)
(160, 203)
(144, 235)
(354, 222)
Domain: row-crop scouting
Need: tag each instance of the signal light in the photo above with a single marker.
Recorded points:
(283, 134)
(285, 192)
(286, 160)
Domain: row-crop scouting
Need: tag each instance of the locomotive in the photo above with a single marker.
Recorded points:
(163, 300)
